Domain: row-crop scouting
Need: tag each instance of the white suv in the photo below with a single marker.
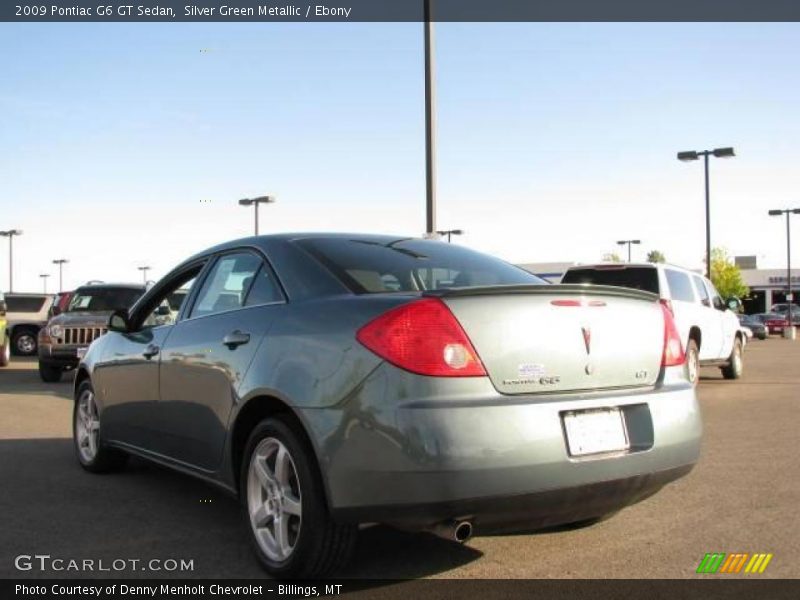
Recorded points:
(709, 328)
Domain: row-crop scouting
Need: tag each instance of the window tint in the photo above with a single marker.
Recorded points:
(700, 287)
(638, 278)
(227, 283)
(97, 299)
(380, 266)
(680, 286)
(24, 304)
(264, 289)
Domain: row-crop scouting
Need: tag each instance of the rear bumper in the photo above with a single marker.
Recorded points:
(498, 459)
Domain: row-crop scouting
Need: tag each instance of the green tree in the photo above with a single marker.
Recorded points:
(656, 256)
(611, 257)
(726, 276)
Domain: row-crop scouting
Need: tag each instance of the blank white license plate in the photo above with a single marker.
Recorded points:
(81, 352)
(595, 431)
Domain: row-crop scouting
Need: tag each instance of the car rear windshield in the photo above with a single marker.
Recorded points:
(404, 265)
(103, 299)
(638, 278)
(25, 303)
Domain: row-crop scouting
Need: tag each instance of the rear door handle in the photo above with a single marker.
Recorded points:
(150, 351)
(236, 338)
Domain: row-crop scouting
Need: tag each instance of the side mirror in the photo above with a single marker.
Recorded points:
(118, 321)
(734, 304)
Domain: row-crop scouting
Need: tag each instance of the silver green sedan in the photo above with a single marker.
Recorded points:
(336, 381)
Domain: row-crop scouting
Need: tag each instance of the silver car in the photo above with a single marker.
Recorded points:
(335, 381)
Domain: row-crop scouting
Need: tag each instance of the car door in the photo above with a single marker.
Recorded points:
(126, 378)
(727, 325)
(208, 353)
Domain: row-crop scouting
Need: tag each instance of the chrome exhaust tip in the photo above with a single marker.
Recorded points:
(453, 531)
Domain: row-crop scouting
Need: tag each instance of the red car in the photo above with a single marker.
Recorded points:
(774, 323)
(60, 303)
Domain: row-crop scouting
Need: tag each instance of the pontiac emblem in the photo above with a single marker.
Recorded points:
(587, 339)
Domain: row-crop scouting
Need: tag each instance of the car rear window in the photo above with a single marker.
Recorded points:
(680, 286)
(638, 278)
(25, 303)
(378, 266)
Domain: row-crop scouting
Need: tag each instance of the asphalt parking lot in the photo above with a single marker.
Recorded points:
(742, 497)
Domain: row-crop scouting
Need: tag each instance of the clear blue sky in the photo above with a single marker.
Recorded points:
(554, 139)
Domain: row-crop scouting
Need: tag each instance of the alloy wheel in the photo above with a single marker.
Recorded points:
(26, 344)
(87, 426)
(274, 499)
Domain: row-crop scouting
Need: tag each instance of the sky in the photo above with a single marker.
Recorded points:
(123, 145)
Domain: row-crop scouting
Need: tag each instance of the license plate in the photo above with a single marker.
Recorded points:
(595, 431)
(81, 352)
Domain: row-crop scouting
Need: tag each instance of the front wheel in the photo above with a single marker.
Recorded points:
(49, 373)
(93, 455)
(735, 366)
(284, 507)
(692, 362)
(25, 342)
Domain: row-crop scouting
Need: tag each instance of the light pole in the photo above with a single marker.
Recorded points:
(60, 262)
(629, 242)
(144, 271)
(694, 155)
(255, 202)
(789, 296)
(430, 126)
(10, 235)
(449, 232)
(44, 277)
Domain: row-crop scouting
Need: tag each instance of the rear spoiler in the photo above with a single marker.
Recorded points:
(583, 289)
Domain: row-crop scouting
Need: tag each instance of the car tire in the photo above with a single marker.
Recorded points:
(24, 342)
(692, 362)
(762, 336)
(5, 352)
(49, 373)
(93, 455)
(735, 366)
(284, 507)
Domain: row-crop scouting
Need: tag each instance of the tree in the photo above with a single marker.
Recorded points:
(611, 257)
(726, 276)
(656, 256)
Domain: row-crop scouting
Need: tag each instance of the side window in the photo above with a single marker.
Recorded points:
(264, 289)
(166, 309)
(227, 284)
(702, 293)
(679, 286)
(716, 301)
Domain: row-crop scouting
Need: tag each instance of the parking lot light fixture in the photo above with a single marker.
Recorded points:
(450, 232)
(690, 155)
(255, 202)
(144, 270)
(10, 233)
(629, 242)
(44, 277)
(60, 262)
(789, 331)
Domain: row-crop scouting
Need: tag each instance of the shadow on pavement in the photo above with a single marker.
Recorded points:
(21, 376)
(51, 506)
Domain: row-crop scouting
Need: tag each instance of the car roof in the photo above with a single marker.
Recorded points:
(611, 265)
(132, 286)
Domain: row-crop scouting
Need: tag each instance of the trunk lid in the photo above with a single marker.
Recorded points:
(559, 338)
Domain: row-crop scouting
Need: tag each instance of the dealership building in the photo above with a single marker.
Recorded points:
(767, 286)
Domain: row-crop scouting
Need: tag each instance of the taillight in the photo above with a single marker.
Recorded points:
(423, 337)
(673, 354)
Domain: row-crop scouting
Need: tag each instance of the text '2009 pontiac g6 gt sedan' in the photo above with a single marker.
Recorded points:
(333, 381)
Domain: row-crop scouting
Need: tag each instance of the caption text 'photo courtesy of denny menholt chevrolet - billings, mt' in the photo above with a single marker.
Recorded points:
(336, 381)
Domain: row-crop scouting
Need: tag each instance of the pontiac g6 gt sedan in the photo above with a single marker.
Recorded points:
(335, 381)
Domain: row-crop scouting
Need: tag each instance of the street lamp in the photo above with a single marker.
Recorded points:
(789, 296)
(144, 271)
(629, 242)
(10, 235)
(60, 262)
(430, 125)
(44, 277)
(449, 232)
(255, 202)
(694, 155)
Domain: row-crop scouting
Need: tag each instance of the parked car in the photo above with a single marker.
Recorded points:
(60, 304)
(756, 327)
(332, 381)
(5, 338)
(774, 322)
(26, 315)
(709, 330)
(783, 310)
(63, 342)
